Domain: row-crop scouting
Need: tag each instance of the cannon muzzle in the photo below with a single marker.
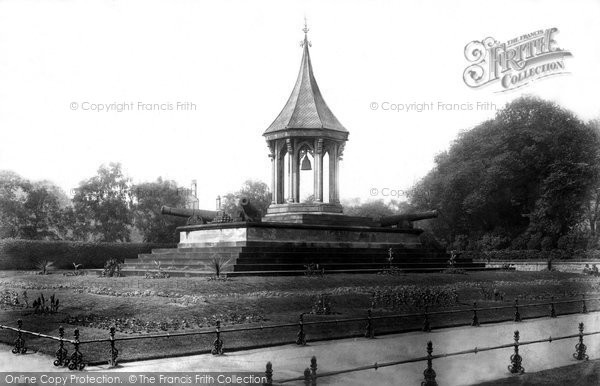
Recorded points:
(248, 211)
(405, 220)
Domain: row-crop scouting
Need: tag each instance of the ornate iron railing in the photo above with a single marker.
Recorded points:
(310, 375)
(75, 361)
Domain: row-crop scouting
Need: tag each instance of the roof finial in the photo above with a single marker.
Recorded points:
(305, 30)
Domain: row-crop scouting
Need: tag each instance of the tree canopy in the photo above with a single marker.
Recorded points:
(520, 180)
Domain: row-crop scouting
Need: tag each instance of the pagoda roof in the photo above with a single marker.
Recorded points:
(306, 109)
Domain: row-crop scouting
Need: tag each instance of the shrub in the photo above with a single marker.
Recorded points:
(532, 254)
(321, 305)
(24, 254)
(112, 268)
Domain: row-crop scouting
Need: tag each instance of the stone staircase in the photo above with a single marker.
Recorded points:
(282, 258)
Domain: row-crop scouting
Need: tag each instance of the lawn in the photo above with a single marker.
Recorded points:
(138, 306)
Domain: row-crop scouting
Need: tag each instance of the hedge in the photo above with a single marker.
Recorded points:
(25, 254)
(554, 254)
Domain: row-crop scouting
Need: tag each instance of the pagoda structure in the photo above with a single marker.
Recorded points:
(294, 233)
(305, 126)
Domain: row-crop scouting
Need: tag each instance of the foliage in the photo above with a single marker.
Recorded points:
(528, 254)
(414, 297)
(40, 305)
(158, 274)
(31, 210)
(522, 178)
(256, 191)
(112, 268)
(218, 264)
(43, 266)
(24, 254)
(321, 305)
(313, 270)
(102, 206)
(375, 208)
(593, 270)
(149, 197)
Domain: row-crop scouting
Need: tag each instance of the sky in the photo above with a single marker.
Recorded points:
(237, 62)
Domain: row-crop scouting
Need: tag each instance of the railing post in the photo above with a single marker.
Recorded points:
(517, 314)
(61, 353)
(583, 306)
(516, 359)
(475, 322)
(429, 373)
(426, 324)
(19, 342)
(580, 348)
(76, 361)
(218, 343)
(369, 331)
(552, 309)
(307, 376)
(313, 371)
(301, 337)
(269, 374)
(114, 353)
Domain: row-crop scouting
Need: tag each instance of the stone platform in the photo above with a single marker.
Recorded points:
(285, 248)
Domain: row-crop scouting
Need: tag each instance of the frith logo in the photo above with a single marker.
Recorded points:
(516, 62)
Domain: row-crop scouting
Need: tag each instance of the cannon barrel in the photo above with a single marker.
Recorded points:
(387, 221)
(207, 215)
(250, 212)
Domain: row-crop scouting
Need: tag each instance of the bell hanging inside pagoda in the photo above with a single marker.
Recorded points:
(305, 164)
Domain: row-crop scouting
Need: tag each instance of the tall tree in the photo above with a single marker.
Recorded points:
(524, 175)
(31, 210)
(102, 206)
(256, 191)
(149, 197)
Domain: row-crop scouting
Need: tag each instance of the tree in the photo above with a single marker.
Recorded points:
(149, 197)
(524, 175)
(256, 191)
(12, 198)
(102, 206)
(31, 210)
(375, 208)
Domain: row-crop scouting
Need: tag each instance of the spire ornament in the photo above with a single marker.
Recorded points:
(305, 30)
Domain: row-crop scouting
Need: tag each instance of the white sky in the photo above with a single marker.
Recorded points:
(238, 61)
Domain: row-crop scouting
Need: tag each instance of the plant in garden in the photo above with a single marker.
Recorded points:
(321, 305)
(40, 306)
(411, 296)
(218, 264)
(43, 266)
(159, 274)
(9, 297)
(591, 271)
(112, 268)
(313, 270)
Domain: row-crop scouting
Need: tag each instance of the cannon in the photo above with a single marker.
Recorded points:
(406, 220)
(194, 216)
(245, 212)
(249, 212)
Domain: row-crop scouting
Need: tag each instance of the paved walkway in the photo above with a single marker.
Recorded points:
(291, 360)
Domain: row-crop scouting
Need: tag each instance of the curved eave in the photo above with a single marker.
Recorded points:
(304, 132)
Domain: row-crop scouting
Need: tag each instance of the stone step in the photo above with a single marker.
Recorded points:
(329, 266)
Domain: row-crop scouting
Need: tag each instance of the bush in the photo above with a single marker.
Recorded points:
(25, 254)
(530, 254)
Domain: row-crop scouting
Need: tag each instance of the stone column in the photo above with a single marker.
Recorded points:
(273, 157)
(296, 176)
(332, 173)
(318, 160)
(290, 152)
(280, 176)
